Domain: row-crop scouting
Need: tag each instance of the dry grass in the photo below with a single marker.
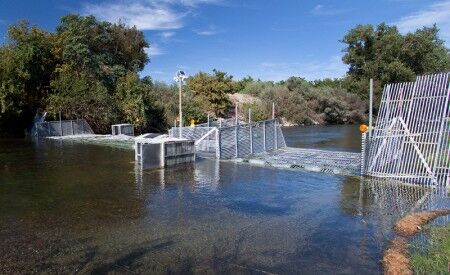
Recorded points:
(411, 224)
(396, 258)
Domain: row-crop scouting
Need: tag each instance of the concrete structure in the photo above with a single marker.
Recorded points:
(122, 129)
(163, 151)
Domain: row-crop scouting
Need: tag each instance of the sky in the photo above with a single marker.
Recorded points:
(266, 39)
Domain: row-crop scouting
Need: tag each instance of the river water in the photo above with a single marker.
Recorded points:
(69, 207)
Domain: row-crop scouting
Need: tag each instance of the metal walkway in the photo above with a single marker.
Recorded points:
(333, 162)
(262, 143)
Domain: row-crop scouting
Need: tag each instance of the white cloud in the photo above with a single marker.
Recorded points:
(211, 30)
(167, 35)
(154, 50)
(438, 13)
(327, 10)
(145, 14)
(311, 70)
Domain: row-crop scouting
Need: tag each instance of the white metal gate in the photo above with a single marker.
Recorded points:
(410, 140)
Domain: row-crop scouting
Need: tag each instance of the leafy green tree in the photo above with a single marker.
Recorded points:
(137, 103)
(82, 96)
(212, 90)
(26, 67)
(107, 51)
(385, 55)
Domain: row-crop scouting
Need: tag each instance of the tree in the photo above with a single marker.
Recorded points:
(74, 70)
(82, 96)
(107, 51)
(388, 56)
(26, 67)
(212, 90)
(137, 103)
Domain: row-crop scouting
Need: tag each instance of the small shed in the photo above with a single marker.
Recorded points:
(122, 129)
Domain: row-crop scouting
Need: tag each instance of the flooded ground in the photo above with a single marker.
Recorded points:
(69, 207)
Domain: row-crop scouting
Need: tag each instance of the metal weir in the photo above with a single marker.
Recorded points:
(411, 139)
(228, 139)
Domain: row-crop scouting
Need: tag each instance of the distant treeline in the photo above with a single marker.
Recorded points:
(89, 69)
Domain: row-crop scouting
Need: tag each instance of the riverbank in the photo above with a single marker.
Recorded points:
(435, 258)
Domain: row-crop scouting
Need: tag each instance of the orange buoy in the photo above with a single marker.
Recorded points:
(363, 128)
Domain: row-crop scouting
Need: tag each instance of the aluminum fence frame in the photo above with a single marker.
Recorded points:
(411, 139)
(235, 141)
(61, 128)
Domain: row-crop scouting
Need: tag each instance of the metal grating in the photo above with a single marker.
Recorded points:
(61, 128)
(410, 141)
(236, 141)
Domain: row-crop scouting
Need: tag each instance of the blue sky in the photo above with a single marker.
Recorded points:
(266, 39)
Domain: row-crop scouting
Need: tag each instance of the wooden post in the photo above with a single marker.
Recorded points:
(208, 120)
(71, 125)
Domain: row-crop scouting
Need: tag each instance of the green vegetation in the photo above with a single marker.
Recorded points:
(436, 257)
(385, 55)
(90, 69)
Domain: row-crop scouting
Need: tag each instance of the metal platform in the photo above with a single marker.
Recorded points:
(333, 162)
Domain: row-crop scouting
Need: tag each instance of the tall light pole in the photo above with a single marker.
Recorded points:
(180, 77)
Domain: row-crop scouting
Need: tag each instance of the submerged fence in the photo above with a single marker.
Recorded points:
(235, 141)
(61, 128)
(411, 139)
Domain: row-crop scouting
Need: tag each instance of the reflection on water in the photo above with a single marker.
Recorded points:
(80, 208)
(336, 137)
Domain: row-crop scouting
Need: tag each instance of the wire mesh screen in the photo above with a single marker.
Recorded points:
(62, 128)
(410, 141)
(253, 138)
(227, 142)
(234, 141)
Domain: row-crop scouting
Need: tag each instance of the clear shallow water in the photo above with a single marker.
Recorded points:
(70, 207)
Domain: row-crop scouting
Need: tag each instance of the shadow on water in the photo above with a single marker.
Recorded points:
(80, 208)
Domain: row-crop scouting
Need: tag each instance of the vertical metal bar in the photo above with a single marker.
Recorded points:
(443, 116)
(363, 153)
(71, 124)
(409, 148)
(250, 130)
(370, 107)
(236, 140)
(218, 143)
(276, 134)
(60, 124)
(273, 110)
(264, 136)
